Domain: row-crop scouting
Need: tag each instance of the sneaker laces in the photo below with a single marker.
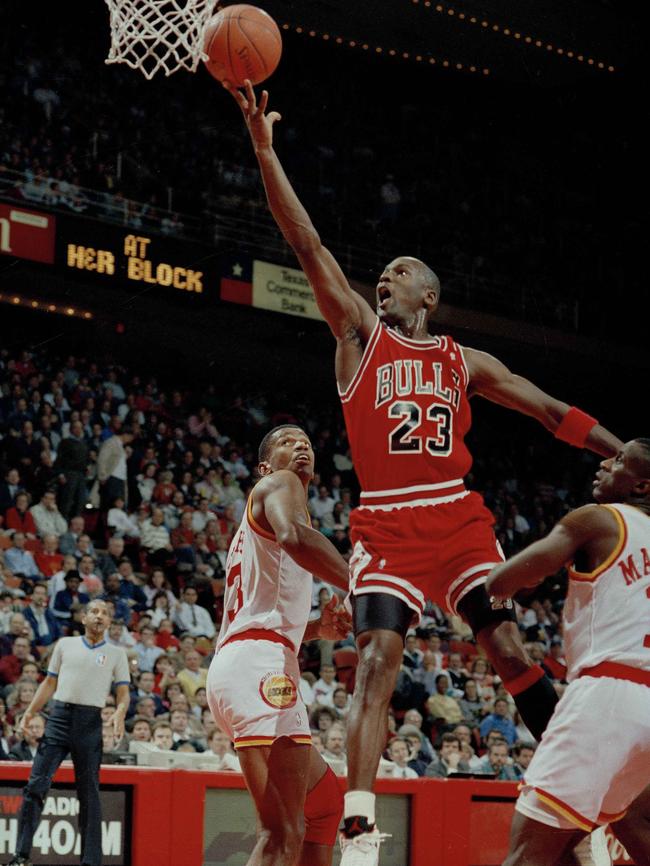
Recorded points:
(365, 842)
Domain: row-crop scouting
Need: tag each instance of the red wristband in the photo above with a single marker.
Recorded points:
(575, 427)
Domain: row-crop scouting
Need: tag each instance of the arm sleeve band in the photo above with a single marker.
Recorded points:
(575, 427)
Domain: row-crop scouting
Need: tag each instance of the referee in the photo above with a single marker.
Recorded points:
(80, 674)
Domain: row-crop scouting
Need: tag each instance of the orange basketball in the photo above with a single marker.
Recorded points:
(241, 42)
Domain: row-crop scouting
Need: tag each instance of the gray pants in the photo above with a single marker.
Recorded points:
(78, 730)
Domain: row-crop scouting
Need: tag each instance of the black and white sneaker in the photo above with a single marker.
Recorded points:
(363, 849)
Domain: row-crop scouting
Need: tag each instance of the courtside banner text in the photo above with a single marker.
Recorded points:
(57, 841)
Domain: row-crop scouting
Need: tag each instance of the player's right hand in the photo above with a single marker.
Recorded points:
(335, 621)
(260, 124)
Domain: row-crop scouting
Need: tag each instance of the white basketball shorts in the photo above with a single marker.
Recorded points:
(253, 693)
(594, 758)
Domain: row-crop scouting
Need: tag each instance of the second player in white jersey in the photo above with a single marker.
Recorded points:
(265, 587)
(253, 681)
(594, 758)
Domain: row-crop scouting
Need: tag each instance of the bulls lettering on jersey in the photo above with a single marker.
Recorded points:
(407, 413)
(607, 611)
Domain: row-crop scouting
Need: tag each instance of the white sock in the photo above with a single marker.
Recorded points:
(360, 803)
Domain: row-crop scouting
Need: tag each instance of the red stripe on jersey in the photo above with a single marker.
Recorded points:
(618, 671)
(261, 634)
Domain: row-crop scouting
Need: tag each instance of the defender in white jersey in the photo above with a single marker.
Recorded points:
(594, 759)
(254, 677)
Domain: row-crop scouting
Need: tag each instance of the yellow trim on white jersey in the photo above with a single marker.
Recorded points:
(613, 556)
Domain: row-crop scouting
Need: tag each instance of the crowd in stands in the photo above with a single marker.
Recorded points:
(499, 213)
(114, 486)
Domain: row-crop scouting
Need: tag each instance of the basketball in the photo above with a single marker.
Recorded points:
(242, 42)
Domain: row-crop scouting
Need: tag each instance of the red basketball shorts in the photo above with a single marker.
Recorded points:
(434, 551)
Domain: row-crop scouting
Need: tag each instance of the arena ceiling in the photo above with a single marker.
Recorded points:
(546, 43)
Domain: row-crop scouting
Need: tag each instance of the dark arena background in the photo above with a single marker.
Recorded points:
(142, 278)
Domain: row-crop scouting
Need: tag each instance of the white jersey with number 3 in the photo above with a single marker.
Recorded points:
(607, 611)
(265, 587)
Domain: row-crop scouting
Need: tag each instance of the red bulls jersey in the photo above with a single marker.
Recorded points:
(407, 413)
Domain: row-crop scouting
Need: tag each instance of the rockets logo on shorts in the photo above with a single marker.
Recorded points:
(278, 690)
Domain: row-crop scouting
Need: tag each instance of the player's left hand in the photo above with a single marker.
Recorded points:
(259, 123)
(335, 621)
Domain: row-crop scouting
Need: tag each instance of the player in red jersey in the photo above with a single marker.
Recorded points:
(418, 533)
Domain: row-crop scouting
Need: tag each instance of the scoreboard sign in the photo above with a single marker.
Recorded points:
(112, 254)
(136, 258)
(128, 258)
(133, 257)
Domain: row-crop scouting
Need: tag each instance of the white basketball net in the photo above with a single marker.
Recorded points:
(158, 35)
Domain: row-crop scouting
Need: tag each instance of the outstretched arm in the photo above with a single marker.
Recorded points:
(343, 309)
(494, 381)
(545, 557)
(283, 498)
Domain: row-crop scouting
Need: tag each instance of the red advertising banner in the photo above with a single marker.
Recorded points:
(27, 234)
(186, 817)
